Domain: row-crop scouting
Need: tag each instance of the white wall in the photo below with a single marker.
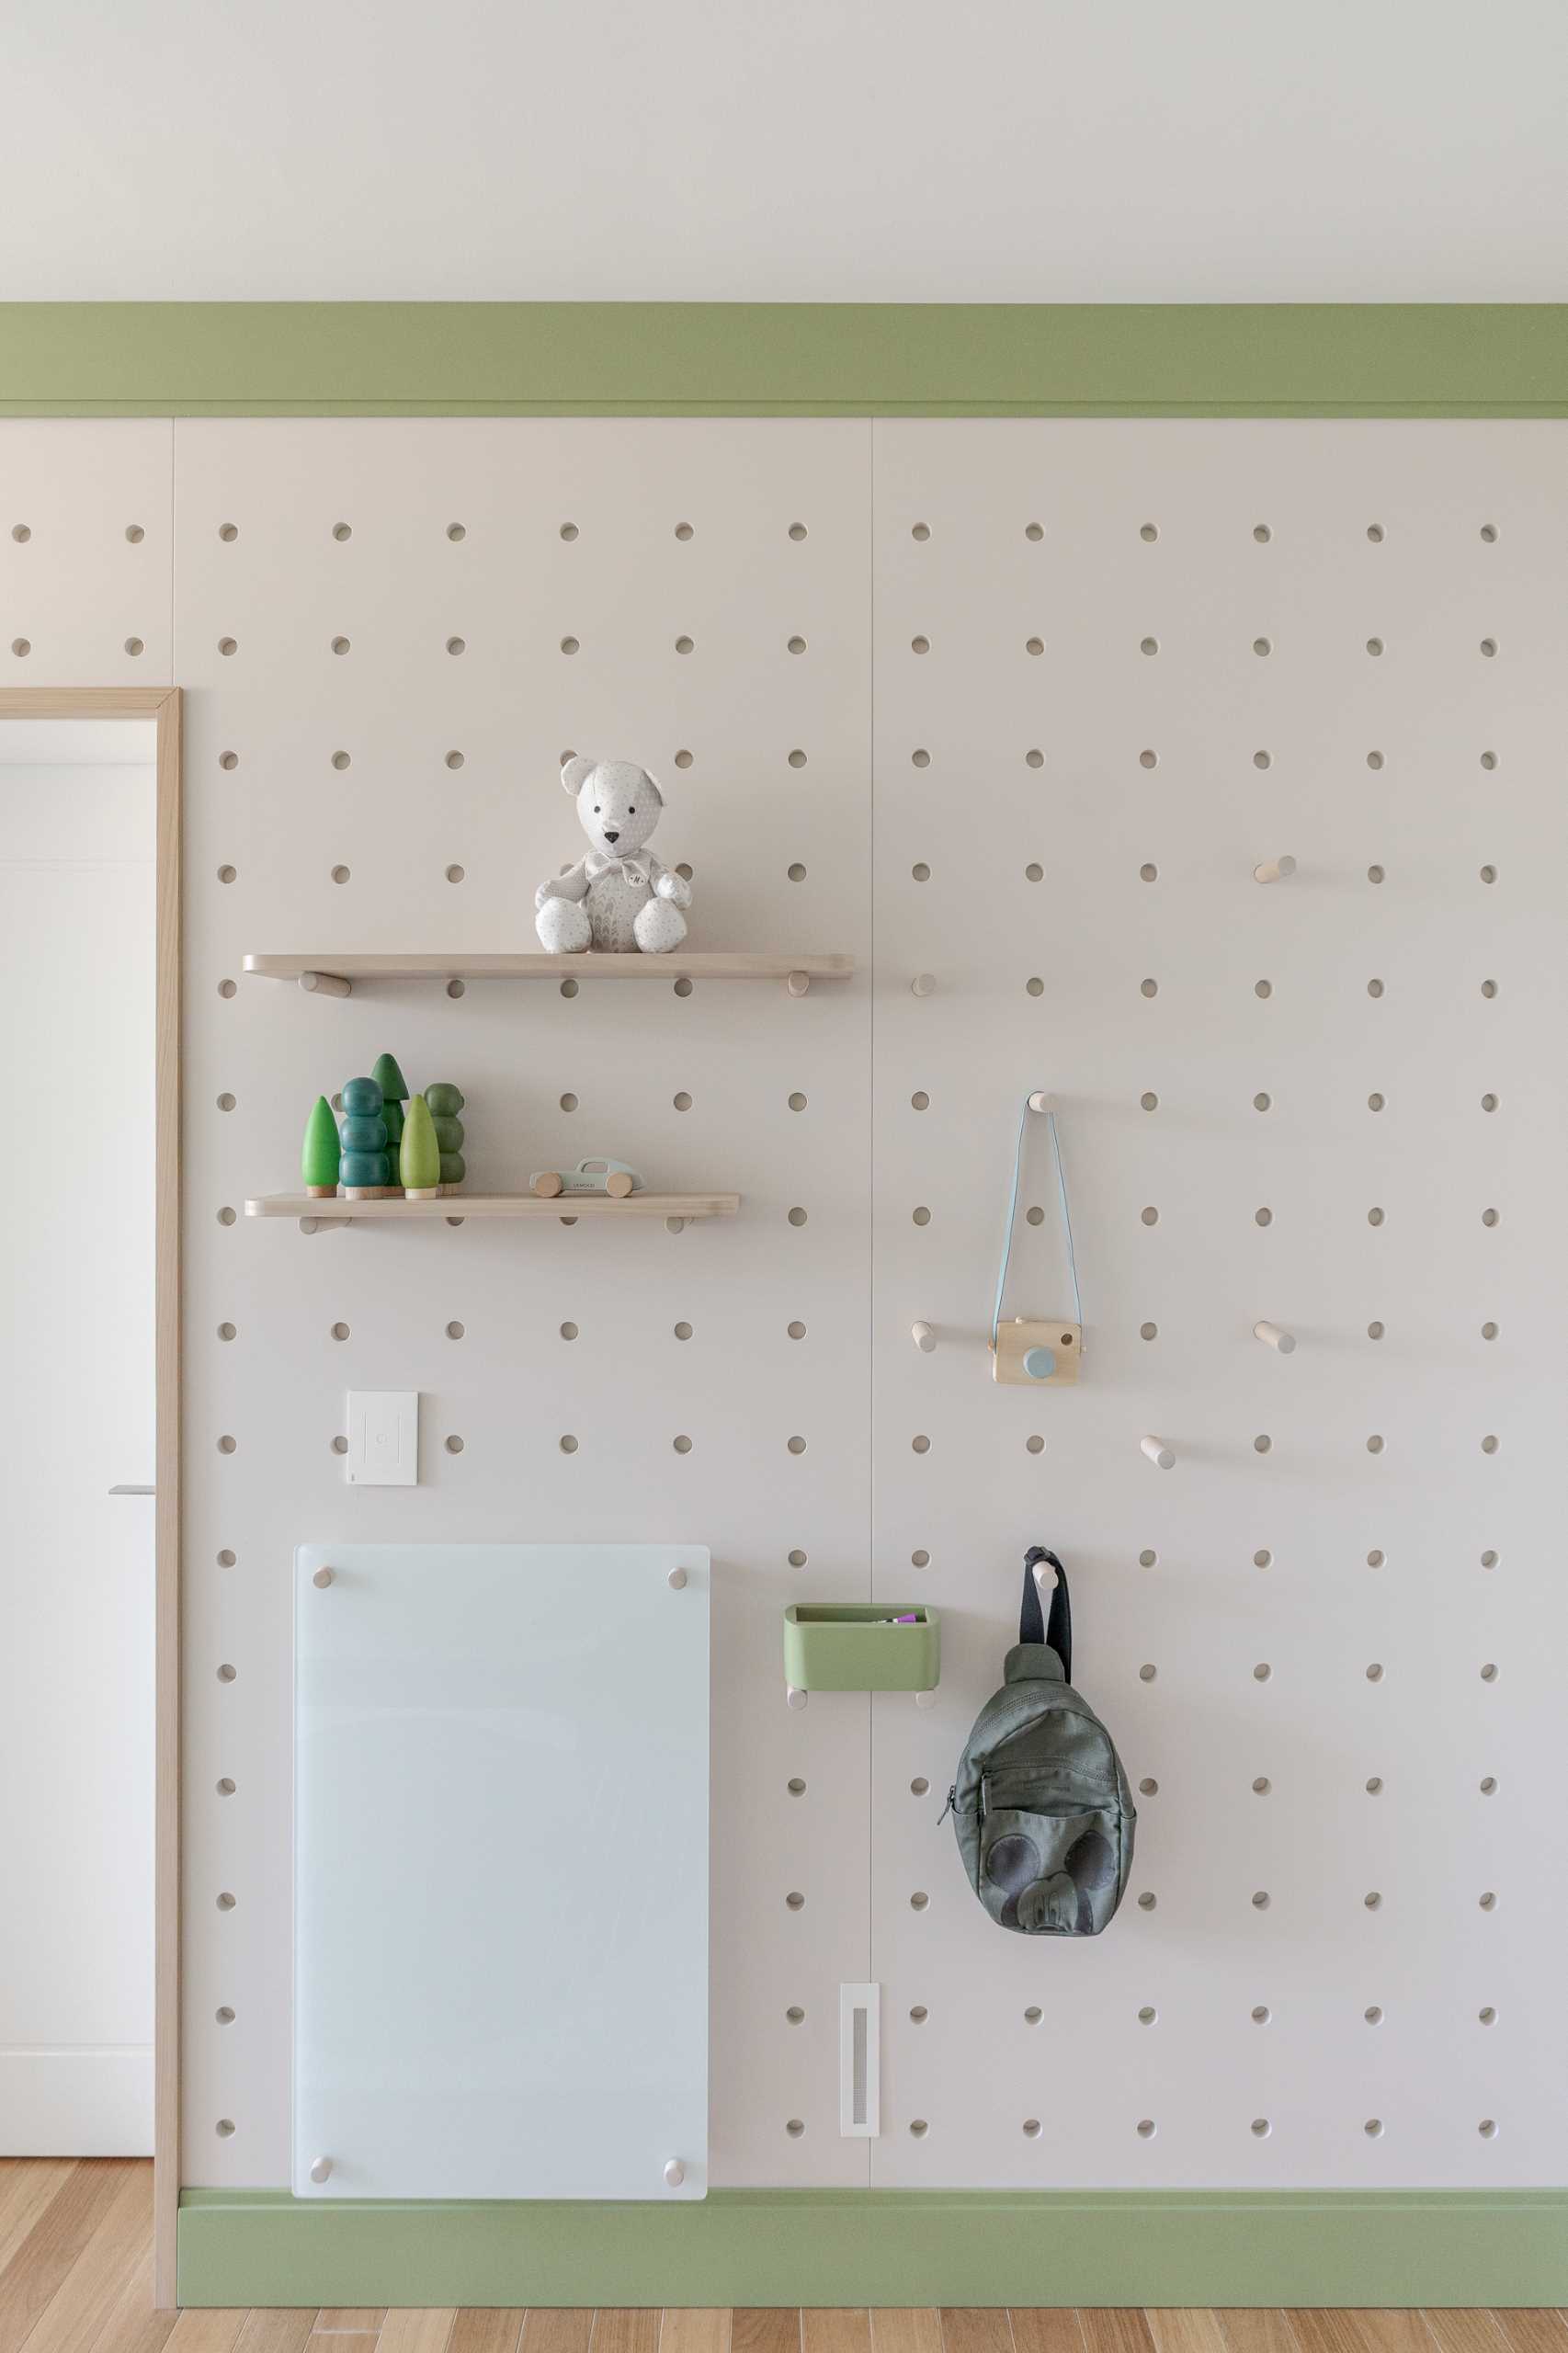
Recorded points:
(265, 798)
(1020, 151)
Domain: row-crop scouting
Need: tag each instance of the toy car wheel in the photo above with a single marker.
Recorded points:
(547, 1184)
(617, 1183)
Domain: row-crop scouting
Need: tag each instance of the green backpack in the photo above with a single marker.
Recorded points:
(1042, 1807)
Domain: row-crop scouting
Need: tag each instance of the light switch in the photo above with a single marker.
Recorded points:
(383, 1437)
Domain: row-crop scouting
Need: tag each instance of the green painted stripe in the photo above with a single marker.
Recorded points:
(1485, 2247)
(808, 358)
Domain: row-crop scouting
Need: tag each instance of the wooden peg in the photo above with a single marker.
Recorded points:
(923, 1338)
(1040, 1101)
(797, 984)
(924, 984)
(1274, 870)
(1158, 1452)
(674, 2173)
(1045, 1578)
(325, 984)
(794, 1698)
(1275, 1336)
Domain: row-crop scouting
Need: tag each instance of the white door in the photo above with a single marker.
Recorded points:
(77, 818)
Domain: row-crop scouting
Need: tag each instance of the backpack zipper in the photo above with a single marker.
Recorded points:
(952, 1795)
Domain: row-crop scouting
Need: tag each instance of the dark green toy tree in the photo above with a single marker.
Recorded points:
(395, 1094)
(445, 1102)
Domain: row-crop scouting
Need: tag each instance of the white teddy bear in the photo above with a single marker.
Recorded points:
(618, 896)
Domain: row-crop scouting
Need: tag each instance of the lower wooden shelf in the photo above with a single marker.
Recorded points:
(338, 1210)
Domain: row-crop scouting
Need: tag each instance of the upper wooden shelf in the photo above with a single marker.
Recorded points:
(313, 1208)
(329, 974)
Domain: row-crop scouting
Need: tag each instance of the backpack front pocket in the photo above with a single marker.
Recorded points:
(1050, 1874)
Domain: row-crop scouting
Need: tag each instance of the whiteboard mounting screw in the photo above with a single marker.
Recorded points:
(677, 1579)
(322, 1577)
(675, 2174)
(924, 983)
(1275, 1337)
(1274, 870)
(797, 984)
(923, 1338)
(1158, 1452)
(322, 2169)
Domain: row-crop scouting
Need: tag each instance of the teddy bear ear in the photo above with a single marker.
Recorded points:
(575, 773)
(653, 784)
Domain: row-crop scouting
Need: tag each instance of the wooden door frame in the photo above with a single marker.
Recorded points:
(163, 705)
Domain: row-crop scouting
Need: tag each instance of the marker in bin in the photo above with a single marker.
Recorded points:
(910, 1617)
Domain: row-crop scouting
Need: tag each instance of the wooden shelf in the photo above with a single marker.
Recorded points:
(333, 974)
(338, 1210)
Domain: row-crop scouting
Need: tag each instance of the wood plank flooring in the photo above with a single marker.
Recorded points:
(76, 2276)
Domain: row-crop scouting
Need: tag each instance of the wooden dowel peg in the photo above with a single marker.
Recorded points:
(793, 1696)
(923, 1338)
(325, 984)
(1158, 1452)
(924, 984)
(674, 2173)
(323, 1577)
(1274, 870)
(797, 984)
(1040, 1101)
(1275, 1336)
(1045, 1580)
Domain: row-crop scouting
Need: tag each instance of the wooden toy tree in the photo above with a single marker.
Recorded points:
(419, 1159)
(367, 1165)
(395, 1094)
(445, 1101)
(322, 1153)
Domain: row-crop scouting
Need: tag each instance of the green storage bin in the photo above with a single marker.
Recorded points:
(848, 1647)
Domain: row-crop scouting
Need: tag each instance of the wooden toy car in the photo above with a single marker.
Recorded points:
(611, 1177)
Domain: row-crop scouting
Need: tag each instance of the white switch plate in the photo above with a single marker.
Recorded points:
(383, 1437)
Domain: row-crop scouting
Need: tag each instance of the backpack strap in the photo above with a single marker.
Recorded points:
(1032, 1628)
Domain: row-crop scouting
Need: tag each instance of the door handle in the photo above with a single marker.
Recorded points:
(133, 1491)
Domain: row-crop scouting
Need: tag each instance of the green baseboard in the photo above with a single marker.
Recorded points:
(1295, 2247)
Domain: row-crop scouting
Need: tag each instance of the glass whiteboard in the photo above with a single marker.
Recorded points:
(501, 1870)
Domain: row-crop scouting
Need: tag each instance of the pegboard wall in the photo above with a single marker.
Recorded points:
(1018, 707)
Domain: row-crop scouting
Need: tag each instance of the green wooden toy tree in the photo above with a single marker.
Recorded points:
(445, 1101)
(322, 1153)
(395, 1094)
(367, 1168)
(419, 1160)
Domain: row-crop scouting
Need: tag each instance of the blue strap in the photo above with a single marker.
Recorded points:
(1012, 1216)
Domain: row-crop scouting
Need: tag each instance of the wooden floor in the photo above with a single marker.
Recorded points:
(76, 2276)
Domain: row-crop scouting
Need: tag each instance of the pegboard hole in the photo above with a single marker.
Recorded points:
(1374, 1672)
(920, 758)
(1149, 1102)
(1037, 760)
(1034, 530)
(919, 2127)
(1149, 1216)
(919, 1787)
(1148, 759)
(685, 644)
(1147, 2127)
(1374, 646)
(1488, 647)
(21, 647)
(1374, 988)
(797, 1559)
(1489, 1102)
(460, 988)
(1373, 1785)
(1375, 1216)
(1262, 1786)
(340, 874)
(1147, 1558)
(456, 645)
(1490, 1445)
(339, 645)
(228, 531)
(226, 1902)
(340, 1445)
(227, 1674)
(1262, 988)
(1373, 2128)
(1488, 2017)
(920, 1558)
(340, 760)
(1488, 988)
(567, 1443)
(226, 1331)
(797, 530)
(1031, 2128)
(226, 1559)
(1147, 1787)
(1262, 1672)
(1148, 873)
(454, 873)
(1262, 646)
(1261, 2128)
(1262, 534)
(1034, 645)
(1376, 1102)
(224, 2015)
(1150, 532)
(134, 646)
(224, 2127)
(682, 1445)
(1489, 761)
(226, 1216)
(1490, 1217)
(1149, 645)
(1489, 1673)
(1375, 533)
(797, 1216)
(1374, 1445)
(1261, 1898)
(794, 2015)
(1034, 986)
(1262, 1217)
(1146, 1674)
(1261, 2014)
(919, 1901)
(798, 645)
(794, 2128)
(569, 646)
(1489, 1560)
(1375, 874)
(1147, 2015)
(1372, 1900)
(21, 533)
(1488, 873)
(1488, 1902)
(456, 531)
(1488, 1785)
(1148, 988)
(232, 759)
(918, 1445)
(1487, 2127)
(226, 1102)
(1148, 1331)
(340, 1331)
(1262, 1558)
(1263, 759)
(342, 531)
(1376, 1557)
(227, 1445)
(795, 1445)
(1035, 1445)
